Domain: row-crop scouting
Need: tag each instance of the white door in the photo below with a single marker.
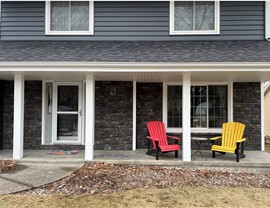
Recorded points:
(67, 113)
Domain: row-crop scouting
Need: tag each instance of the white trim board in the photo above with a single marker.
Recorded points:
(132, 67)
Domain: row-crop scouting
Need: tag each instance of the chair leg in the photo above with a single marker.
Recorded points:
(237, 152)
(213, 154)
(157, 151)
(176, 153)
(242, 150)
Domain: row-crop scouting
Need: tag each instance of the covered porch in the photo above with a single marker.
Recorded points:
(185, 75)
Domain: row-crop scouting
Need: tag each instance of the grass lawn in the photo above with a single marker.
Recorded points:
(173, 197)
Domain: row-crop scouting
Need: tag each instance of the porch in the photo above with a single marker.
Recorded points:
(114, 97)
(254, 159)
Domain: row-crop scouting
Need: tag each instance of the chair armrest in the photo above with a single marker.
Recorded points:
(215, 138)
(148, 137)
(241, 140)
(172, 137)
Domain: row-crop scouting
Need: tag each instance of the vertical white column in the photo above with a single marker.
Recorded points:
(134, 115)
(262, 117)
(186, 135)
(18, 119)
(89, 117)
(267, 22)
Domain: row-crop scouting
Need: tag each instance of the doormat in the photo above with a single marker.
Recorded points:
(64, 152)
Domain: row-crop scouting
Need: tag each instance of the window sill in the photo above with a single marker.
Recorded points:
(195, 33)
(69, 33)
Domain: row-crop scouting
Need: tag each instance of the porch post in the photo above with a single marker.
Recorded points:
(262, 118)
(186, 134)
(89, 117)
(134, 115)
(18, 119)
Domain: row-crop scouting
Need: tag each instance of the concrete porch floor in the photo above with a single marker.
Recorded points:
(253, 158)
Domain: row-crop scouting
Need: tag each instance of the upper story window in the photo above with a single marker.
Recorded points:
(194, 17)
(69, 17)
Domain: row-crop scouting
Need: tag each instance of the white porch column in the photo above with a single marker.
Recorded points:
(89, 117)
(18, 119)
(262, 118)
(186, 135)
(134, 115)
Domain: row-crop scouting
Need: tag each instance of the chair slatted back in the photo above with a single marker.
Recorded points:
(157, 130)
(231, 132)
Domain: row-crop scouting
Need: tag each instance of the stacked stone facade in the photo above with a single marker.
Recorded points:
(1, 112)
(149, 108)
(247, 110)
(113, 115)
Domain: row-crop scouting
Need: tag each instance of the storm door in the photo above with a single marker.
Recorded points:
(67, 110)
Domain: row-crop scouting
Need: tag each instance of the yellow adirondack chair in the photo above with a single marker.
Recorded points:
(232, 137)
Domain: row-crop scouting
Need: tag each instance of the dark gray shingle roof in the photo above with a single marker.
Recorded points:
(120, 51)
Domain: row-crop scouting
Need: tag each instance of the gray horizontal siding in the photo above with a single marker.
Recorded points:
(132, 21)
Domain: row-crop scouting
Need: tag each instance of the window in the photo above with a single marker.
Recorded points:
(194, 17)
(209, 106)
(69, 17)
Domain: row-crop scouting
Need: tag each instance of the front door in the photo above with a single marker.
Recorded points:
(67, 112)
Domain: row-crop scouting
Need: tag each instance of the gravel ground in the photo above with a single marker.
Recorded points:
(98, 178)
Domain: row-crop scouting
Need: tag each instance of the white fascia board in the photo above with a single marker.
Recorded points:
(131, 67)
(132, 0)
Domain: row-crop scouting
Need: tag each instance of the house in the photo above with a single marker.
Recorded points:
(90, 74)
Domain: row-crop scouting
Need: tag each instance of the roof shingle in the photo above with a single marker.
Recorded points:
(136, 51)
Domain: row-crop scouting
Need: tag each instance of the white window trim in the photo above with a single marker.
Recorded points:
(196, 32)
(48, 30)
(196, 130)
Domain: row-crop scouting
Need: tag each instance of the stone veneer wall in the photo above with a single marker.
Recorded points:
(8, 114)
(113, 115)
(247, 110)
(1, 112)
(149, 107)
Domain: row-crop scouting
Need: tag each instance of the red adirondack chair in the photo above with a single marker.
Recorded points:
(159, 139)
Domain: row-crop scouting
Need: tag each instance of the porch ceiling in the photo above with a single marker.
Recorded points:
(252, 76)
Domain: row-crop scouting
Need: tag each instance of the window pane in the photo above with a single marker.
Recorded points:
(198, 106)
(183, 15)
(218, 106)
(79, 16)
(67, 98)
(204, 15)
(174, 106)
(59, 15)
(67, 125)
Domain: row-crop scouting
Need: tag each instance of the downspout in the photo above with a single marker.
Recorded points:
(266, 20)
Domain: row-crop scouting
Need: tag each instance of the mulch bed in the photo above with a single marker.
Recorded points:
(7, 165)
(98, 178)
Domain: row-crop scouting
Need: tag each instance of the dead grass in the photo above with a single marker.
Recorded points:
(170, 197)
